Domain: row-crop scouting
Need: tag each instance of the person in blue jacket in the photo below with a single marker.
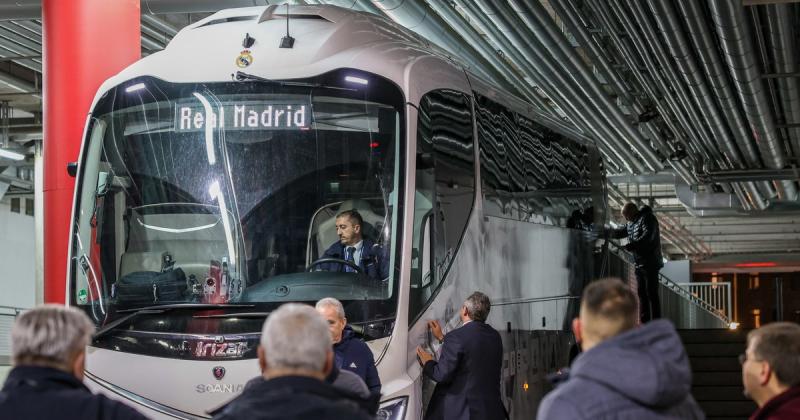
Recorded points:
(624, 372)
(353, 247)
(350, 353)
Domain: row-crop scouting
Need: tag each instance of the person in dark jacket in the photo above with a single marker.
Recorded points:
(295, 356)
(350, 353)
(467, 373)
(771, 371)
(355, 249)
(624, 372)
(644, 242)
(48, 350)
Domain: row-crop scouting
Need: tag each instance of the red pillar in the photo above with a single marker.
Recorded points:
(85, 42)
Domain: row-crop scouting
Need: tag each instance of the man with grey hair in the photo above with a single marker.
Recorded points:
(295, 355)
(48, 346)
(771, 371)
(350, 353)
(467, 373)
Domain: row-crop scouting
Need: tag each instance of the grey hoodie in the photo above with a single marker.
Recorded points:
(643, 373)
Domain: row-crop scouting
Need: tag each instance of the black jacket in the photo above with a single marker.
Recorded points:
(32, 392)
(644, 239)
(292, 398)
(467, 375)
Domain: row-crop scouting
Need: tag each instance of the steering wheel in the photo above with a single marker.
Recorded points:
(353, 265)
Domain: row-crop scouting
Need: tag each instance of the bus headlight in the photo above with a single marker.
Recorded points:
(394, 409)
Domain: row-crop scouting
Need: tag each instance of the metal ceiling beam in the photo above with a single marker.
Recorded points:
(752, 175)
(762, 2)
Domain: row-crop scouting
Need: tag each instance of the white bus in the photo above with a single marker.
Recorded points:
(211, 174)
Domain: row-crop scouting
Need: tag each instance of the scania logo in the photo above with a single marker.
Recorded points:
(219, 372)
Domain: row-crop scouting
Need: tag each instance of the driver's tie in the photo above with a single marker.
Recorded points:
(349, 252)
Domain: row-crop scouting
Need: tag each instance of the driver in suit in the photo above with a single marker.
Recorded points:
(356, 249)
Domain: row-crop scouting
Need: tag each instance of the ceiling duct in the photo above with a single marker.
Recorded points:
(550, 80)
(680, 50)
(735, 40)
(782, 36)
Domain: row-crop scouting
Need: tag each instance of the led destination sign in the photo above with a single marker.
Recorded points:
(245, 115)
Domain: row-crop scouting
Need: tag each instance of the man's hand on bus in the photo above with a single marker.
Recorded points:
(424, 356)
(436, 329)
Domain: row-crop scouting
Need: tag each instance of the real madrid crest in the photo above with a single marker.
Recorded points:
(244, 59)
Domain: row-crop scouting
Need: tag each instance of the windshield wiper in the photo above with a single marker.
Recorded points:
(236, 315)
(158, 309)
(241, 76)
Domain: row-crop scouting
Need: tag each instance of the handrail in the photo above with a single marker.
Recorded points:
(677, 288)
(673, 286)
(716, 294)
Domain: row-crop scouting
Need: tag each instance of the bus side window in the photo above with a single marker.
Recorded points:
(445, 190)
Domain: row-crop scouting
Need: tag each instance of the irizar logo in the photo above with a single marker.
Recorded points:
(205, 349)
(353, 365)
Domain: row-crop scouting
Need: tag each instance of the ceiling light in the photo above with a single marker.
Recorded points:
(11, 155)
(134, 88)
(354, 79)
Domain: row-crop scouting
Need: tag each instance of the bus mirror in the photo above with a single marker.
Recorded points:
(72, 169)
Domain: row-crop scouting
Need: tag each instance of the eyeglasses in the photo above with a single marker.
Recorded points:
(743, 358)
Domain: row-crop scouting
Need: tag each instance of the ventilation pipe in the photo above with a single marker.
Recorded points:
(678, 45)
(545, 49)
(706, 48)
(663, 66)
(782, 36)
(564, 95)
(735, 39)
(632, 58)
(457, 22)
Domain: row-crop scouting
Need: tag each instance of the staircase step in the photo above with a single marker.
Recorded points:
(718, 393)
(715, 364)
(714, 349)
(732, 409)
(727, 417)
(713, 336)
(717, 379)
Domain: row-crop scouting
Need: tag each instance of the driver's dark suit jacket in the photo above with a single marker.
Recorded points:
(374, 260)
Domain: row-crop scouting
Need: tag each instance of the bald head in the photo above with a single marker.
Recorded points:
(608, 309)
(629, 211)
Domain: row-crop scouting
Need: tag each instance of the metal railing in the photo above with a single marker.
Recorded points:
(678, 304)
(690, 311)
(716, 294)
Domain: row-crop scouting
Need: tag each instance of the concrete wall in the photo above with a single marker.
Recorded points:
(17, 256)
(678, 271)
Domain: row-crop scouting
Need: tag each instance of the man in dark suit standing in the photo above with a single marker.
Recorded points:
(358, 251)
(467, 373)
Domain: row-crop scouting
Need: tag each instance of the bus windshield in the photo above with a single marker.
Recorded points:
(228, 193)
